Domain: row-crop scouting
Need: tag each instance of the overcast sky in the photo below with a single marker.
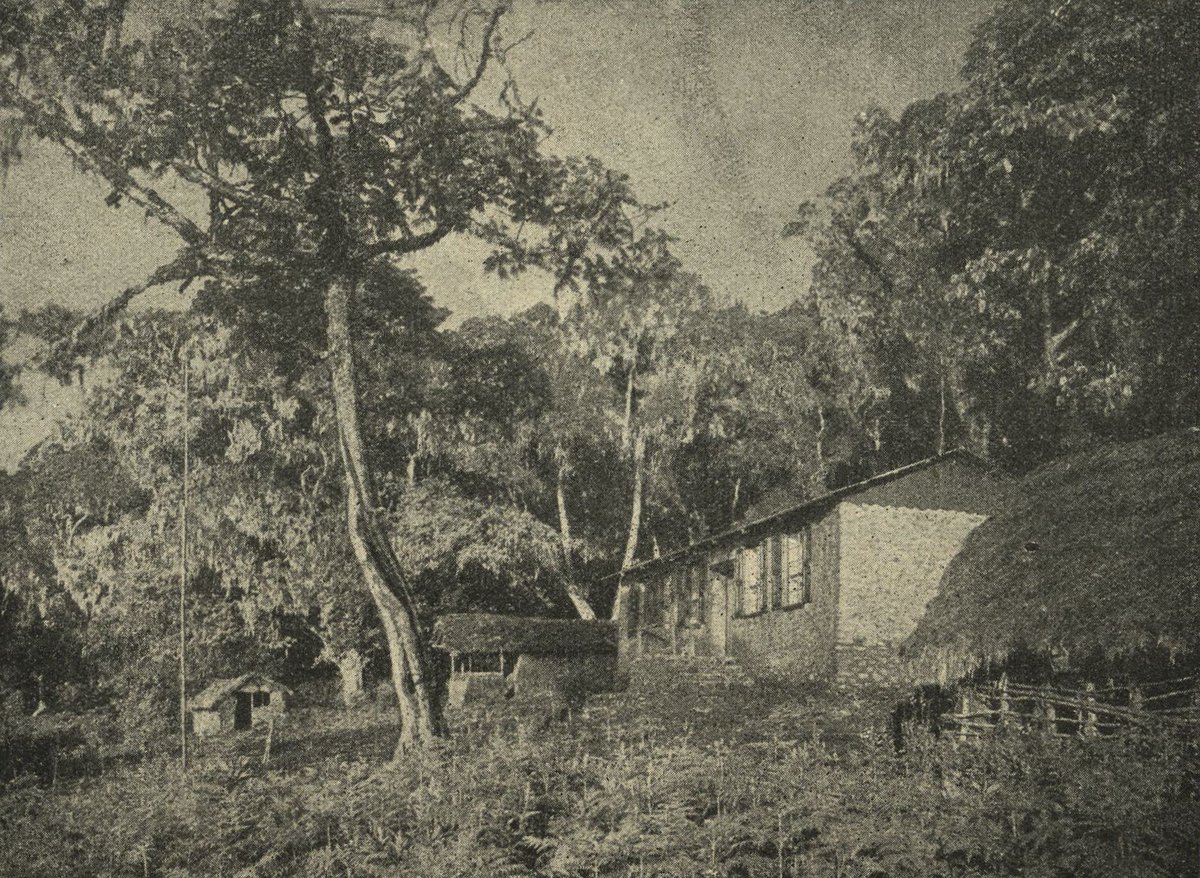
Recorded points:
(733, 111)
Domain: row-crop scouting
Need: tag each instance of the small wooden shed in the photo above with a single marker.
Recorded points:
(494, 657)
(237, 703)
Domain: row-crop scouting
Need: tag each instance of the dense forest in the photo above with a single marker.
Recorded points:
(1010, 267)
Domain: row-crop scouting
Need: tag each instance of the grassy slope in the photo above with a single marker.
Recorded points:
(625, 793)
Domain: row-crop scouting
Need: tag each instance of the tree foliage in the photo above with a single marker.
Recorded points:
(326, 146)
(1020, 254)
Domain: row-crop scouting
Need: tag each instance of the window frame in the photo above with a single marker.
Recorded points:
(804, 537)
(695, 585)
(773, 579)
(743, 554)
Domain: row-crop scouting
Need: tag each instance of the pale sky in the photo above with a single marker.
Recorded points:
(733, 111)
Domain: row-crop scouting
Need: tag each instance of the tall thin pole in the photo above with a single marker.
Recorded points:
(183, 523)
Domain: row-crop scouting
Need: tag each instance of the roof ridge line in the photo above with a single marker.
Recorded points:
(845, 490)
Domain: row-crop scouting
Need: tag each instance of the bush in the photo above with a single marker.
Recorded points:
(384, 695)
(58, 746)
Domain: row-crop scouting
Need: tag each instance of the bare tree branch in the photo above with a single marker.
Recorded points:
(485, 55)
(388, 13)
(407, 244)
(234, 193)
(186, 266)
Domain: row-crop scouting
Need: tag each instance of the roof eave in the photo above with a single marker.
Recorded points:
(800, 513)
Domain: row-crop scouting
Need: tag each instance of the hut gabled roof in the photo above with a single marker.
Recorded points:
(523, 635)
(215, 691)
(1097, 551)
(981, 485)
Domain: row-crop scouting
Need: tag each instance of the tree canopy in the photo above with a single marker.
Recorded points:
(1010, 266)
(1019, 255)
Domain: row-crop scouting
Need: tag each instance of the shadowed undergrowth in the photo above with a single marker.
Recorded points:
(518, 796)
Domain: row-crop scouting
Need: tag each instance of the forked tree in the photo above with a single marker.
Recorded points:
(316, 142)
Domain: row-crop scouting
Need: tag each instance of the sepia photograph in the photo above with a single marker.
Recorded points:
(599, 438)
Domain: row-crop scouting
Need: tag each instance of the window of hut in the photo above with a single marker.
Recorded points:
(750, 592)
(797, 568)
(697, 579)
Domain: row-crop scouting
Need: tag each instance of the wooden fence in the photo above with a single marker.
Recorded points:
(1088, 712)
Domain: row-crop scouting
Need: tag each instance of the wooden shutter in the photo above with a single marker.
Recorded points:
(795, 567)
(764, 574)
(750, 581)
(799, 566)
(775, 579)
(807, 574)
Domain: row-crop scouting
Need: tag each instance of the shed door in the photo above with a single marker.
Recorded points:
(718, 611)
(241, 711)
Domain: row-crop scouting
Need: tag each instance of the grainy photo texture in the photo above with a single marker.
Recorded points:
(599, 438)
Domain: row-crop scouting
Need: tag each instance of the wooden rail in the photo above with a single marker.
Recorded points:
(1087, 712)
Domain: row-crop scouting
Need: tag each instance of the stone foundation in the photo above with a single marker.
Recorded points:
(666, 672)
(870, 666)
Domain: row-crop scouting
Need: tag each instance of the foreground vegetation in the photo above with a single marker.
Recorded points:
(514, 798)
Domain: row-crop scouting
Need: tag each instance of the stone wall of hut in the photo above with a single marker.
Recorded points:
(795, 642)
(891, 563)
(225, 709)
(874, 569)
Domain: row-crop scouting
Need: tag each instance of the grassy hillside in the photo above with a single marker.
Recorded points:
(617, 794)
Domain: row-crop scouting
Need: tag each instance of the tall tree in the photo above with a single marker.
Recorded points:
(636, 304)
(322, 144)
(1022, 251)
(572, 440)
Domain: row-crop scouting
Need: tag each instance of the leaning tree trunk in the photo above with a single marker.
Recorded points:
(940, 443)
(627, 423)
(578, 599)
(635, 520)
(635, 513)
(394, 601)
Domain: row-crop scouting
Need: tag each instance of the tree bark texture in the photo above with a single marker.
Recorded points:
(635, 523)
(940, 444)
(627, 423)
(578, 599)
(820, 443)
(635, 513)
(420, 720)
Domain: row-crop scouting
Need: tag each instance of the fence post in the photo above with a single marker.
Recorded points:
(1049, 713)
(266, 761)
(1002, 691)
(964, 712)
(1090, 729)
